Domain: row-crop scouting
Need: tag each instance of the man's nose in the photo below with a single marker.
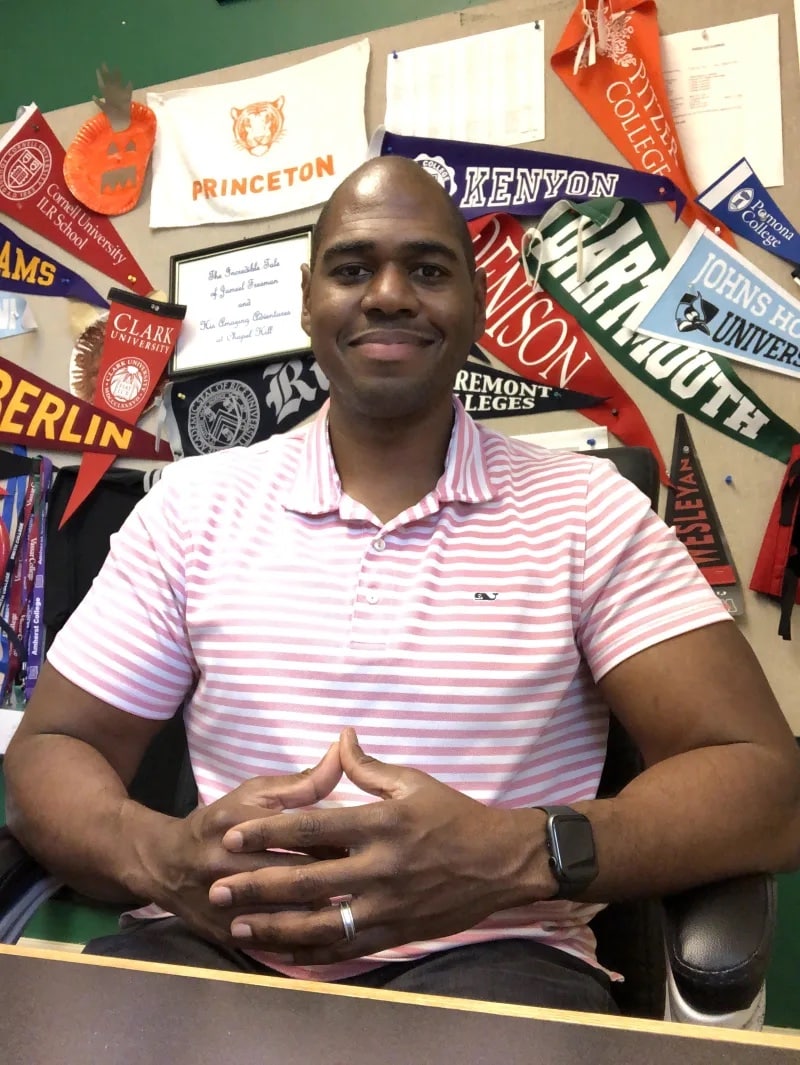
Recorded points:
(391, 291)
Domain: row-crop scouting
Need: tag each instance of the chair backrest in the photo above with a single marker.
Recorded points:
(630, 935)
(74, 555)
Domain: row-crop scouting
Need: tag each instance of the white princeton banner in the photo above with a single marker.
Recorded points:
(711, 296)
(260, 147)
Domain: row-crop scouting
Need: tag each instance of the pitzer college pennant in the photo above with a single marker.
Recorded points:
(691, 512)
(609, 57)
(601, 273)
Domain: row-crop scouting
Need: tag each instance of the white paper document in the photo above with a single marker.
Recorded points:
(487, 88)
(724, 89)
(569, 439)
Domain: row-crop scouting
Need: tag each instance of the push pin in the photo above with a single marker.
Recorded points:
(591, 441)
(729, 479)
(394, 55)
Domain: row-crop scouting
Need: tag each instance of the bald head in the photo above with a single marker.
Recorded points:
(398, 175)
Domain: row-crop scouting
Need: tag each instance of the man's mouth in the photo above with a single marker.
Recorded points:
(391, 344)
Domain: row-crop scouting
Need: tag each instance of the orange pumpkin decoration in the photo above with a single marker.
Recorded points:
(104, 168)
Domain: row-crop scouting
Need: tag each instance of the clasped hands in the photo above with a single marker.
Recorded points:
(424, 862)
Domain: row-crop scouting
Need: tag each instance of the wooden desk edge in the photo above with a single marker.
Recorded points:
(596, 1020)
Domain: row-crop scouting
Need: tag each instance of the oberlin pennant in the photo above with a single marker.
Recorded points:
(36, 414)
(33, 191)
(739, 200)
(601, 273)
(243, 405)
(487, 392)
(484, 178)
(139, 338)
(25, 269)
(534, 336)
(609, 57)
(691, 512)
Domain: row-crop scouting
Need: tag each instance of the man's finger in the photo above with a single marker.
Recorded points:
(293, 883)
(294, 789)
(375, 777)
(309, 829)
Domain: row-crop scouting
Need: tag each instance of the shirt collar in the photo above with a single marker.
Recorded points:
(318, 490)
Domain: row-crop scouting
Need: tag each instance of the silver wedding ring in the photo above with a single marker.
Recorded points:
(348, 921)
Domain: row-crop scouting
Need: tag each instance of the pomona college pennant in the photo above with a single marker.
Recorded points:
(711, 295)
(601, 273)
(536, 337)
(609, 57)
(484, 178)
(33, 191)
(740, 201)
(691, 512)
(260, 147)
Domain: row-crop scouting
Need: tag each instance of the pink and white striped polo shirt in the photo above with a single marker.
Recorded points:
(463, 637)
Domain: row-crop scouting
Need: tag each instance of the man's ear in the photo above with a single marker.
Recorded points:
(305, 313)
(479, 297)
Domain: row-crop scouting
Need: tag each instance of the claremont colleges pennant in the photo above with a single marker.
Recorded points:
(33, 192)
(601, 274)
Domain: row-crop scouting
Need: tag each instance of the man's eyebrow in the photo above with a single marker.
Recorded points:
(409, 247)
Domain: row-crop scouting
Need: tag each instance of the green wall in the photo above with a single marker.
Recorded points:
(50, 49)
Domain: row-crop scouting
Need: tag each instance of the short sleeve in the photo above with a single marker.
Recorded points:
(126, 642)
(640, 585)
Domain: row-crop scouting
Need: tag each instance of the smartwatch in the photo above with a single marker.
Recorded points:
(570, 844)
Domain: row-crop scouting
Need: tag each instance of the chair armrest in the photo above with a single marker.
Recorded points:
(718, 939)
(24, 886)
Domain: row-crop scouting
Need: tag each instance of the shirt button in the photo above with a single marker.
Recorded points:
(372, 598)
(379, 545)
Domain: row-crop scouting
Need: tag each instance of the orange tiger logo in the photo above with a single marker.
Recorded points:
(257, 126)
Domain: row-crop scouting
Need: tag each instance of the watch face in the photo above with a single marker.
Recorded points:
(573, 849)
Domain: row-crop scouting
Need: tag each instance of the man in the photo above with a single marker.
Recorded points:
(469, 604)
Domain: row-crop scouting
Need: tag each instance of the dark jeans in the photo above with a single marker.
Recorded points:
(519, 971)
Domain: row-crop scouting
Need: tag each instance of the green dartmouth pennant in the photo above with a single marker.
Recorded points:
(597, 266)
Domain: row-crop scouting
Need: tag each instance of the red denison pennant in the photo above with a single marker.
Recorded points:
(533, 335)
(141, 334)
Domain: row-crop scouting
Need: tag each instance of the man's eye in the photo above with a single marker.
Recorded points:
(351, 272)
(429, 271)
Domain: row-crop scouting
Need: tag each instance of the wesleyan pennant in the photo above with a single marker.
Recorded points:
(691, 512)
(601, 273)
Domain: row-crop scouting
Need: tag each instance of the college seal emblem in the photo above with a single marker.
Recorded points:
(226, 414)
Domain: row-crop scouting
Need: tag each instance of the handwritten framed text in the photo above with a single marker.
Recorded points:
(242, 301)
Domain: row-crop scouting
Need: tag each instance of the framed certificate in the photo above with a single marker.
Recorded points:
(243, 302)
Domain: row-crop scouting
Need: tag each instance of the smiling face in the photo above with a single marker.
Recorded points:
(391, 304)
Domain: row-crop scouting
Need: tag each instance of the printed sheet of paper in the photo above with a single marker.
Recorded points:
(487, 88)
(724, 89)
(569, 439)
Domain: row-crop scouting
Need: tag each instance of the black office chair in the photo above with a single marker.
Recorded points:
(700, 956)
